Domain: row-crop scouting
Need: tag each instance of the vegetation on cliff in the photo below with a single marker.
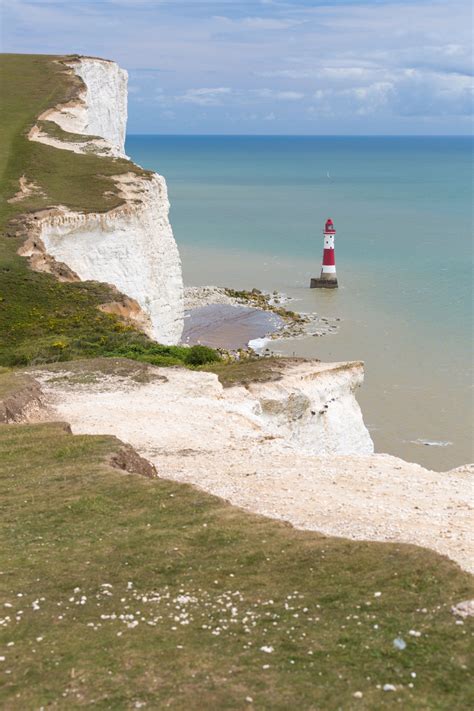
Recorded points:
(41, 319)
(118, 590)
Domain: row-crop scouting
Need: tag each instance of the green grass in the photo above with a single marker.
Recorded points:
(55, 131)
(248, 370)
(71, 526)
(41, 319)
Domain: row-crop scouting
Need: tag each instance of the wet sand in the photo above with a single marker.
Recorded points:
(227, 326)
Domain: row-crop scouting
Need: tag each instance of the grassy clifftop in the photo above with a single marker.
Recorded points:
(41, 319)
(122, 592)
(117, 590)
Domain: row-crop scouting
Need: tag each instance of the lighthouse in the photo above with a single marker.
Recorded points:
(328, 278)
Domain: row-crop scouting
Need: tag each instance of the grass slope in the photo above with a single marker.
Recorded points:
(42, 320)
(117, 590)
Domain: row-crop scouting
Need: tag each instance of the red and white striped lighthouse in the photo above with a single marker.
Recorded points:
(328, 278)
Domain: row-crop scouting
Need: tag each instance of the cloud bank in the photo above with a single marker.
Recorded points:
(260, 66)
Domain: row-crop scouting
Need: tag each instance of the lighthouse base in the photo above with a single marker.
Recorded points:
(323, 283)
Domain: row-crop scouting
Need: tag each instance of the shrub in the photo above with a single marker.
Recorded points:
(199, 355)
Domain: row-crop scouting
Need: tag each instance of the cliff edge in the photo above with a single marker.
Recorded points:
(292, 446)
(130, 246)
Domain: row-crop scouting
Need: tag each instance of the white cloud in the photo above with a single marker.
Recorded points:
(268, 23)
(333, 73)
(258, 23)
(205, 96)
(371, 98)
(397, 59)
(279, 95)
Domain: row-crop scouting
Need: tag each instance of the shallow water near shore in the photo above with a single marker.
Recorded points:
(225, 326)
(248, 211)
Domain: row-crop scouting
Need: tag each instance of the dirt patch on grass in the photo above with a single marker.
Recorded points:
(25, 190)
(130, 461)
(20, 398)
(90, 370)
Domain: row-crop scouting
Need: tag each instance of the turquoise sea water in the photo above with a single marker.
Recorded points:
(249, 211)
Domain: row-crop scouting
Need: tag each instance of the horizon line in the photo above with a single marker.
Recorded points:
(311, 135)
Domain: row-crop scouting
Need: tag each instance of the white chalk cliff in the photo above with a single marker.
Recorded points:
(100, 110)
(131, 246)
(294, 448)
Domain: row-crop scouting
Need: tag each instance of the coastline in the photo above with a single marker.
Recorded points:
(233, 320)
(293, 447)
(408, 394)
(161, 499)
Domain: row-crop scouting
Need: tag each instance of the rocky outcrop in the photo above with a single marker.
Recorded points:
(310, 409)
(132, 246)
(314, 407)
(293, 447)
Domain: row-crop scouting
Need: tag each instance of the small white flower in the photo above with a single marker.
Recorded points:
(266, 649)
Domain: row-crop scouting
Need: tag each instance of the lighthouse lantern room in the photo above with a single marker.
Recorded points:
(328, 278)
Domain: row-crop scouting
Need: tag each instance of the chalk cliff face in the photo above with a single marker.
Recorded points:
(99, 111)
(295, 448)
(132, 246)
(105, 100)
(314, 408)
(310, 410)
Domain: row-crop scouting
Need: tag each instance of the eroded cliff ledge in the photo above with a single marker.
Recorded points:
(292, 447)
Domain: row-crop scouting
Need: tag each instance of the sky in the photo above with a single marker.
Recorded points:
(269, 66)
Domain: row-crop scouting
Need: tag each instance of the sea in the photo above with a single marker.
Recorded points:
(248, 211)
